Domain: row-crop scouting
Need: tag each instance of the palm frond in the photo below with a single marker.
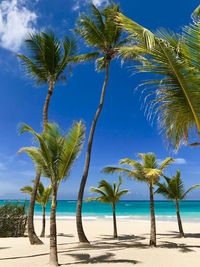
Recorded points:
(71, 148)
(196, 14)
(84, 57)
(165, 163)
(146, 169)
(174, 98)
(27, 189)
(190, 189)
(137, 31)
(111, 170)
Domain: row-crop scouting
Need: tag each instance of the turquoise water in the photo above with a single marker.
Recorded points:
(137, 209)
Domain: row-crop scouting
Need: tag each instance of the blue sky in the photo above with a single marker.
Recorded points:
(123, 130)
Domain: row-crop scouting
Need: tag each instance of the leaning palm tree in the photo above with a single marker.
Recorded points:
(100, 32)
(173, 189)
(110, 194)
(42, 198)
(147, 169)
(174, 93)
(48, 58)
(54, 158)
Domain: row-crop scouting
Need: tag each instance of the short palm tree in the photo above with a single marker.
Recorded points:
(54, 158)
(42, 198)
(100, 32)
(173, 189)
(148, 170)
(110, 194)
(46, 64)
(174, 93)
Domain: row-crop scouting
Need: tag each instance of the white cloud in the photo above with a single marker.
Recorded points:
(100, 2)
(79, 3)
(180, 161)
(16, 21)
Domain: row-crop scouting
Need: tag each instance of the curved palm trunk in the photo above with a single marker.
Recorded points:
(81, 235)
(46, 104)
(152, 241)
(179, 219)
(33, 238)
(43, 221)
(114, 223)
(53, 256)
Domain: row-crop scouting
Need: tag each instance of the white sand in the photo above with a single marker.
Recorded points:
(130, 249)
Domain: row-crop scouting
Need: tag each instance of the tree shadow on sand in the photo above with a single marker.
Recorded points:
(105, 258)
(181, 247)
(110, 244)
(122, 237)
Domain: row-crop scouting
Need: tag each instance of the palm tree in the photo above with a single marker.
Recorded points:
(109, 194)
(47, 61)
(174, 95)
(100, 32)
(43, 195)
(54, 158)
(147, 169)
(173, 189)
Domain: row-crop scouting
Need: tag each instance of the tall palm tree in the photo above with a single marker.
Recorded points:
(173, 189)
(100, 32)
(48, 58)
(111, 194)
(148, 170)
(174, 95)
(42, 198)
(54, 157)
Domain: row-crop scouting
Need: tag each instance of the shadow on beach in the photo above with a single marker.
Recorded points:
(110, 245)
(105, 258)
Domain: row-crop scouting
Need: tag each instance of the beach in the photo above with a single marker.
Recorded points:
(131, 248)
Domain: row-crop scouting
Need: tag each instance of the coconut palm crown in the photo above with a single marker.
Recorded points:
(43, 194)
(148, 169)
(173, 188)
(100, 32)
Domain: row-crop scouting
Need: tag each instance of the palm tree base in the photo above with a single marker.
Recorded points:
(34, 240)
(152, 243)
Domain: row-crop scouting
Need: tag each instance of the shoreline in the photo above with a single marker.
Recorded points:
(159, 218)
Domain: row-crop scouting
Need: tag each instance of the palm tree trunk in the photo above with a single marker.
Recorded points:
(53, 256)
(179, 220)
(152, 241)
(46, 104)
(33, 238)
(114, 223)
(81, 235)
(43, 221)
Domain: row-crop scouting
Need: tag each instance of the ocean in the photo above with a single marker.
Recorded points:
(165, 210)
